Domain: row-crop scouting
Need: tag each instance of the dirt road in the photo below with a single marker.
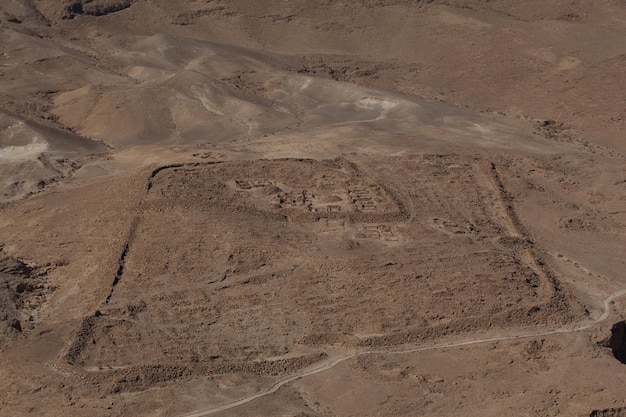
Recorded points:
(333, 361)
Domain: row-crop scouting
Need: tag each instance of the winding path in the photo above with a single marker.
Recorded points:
(333, 361)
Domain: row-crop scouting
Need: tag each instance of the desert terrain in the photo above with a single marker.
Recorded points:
(313, 208)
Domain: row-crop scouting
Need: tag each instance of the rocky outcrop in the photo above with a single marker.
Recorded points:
(609, 412)
(95, 8)
(617, 341)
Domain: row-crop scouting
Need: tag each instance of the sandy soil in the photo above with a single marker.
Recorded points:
(312, 208)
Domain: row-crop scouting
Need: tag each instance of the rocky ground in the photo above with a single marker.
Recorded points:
(312, 208)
